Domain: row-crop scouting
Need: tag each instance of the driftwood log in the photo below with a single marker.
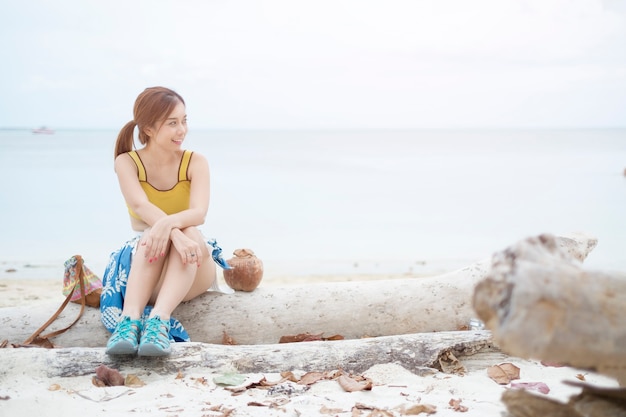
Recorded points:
(351, 309)
(591, 402)
(541, 303)
(418, 353)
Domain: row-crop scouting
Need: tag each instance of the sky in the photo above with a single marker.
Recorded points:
(322, 64)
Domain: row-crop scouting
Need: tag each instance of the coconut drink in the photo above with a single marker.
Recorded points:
(246, 272)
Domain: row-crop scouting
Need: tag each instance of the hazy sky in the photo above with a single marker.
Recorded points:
(318, 63)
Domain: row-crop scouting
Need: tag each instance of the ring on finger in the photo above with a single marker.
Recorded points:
(192, 255)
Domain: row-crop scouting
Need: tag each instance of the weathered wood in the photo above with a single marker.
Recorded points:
(541, 303)
(591, 402)
(351, 309)
(414, 352)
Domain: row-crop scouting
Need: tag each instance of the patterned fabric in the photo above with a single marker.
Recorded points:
(92, 282)
(114, 288)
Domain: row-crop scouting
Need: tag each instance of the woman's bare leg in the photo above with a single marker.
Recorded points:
(181, 282)
(142, 280)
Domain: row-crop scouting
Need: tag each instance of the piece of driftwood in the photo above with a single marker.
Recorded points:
(541, 303)
(591, 402)
(350, 309)
(418, 353)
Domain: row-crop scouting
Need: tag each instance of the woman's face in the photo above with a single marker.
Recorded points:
(173, 129)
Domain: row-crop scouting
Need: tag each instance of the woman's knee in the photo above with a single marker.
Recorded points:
(204, 279)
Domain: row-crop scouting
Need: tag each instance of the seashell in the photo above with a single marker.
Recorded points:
(246, 272)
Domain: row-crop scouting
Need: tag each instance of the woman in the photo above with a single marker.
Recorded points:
(166, 190)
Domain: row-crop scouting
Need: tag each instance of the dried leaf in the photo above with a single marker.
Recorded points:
(503, 373)
(311, 378)
(289, 376)
(581, 377)
(200, 380)
(37, 341)
(54, 387)
(302, 337)
(497, 374)
(133, 381)
(96, 382)
(265, 383)
(419, 409)
(326, 410)
(236, 390)
(179, 375)
(511, 370)
(375, 412)
(227, 340)
(351, 385)
(456, 405)
(109, 376)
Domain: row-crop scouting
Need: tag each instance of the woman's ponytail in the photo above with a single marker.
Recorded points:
(125, 139)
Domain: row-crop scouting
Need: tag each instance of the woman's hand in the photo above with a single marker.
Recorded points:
(156, 239)
(189, 250)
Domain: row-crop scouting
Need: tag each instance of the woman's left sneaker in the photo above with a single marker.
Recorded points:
(155, 338)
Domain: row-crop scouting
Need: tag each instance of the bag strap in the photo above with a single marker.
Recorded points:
(43, 340)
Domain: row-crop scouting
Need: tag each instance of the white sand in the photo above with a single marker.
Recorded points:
(27, 390)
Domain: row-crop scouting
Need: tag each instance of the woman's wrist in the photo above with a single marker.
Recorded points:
(176, 233)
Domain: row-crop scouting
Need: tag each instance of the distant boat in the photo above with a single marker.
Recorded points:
(43, 130)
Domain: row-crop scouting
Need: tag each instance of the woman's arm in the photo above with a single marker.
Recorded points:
(132, 192)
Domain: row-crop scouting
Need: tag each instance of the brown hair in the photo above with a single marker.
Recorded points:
(152, 105)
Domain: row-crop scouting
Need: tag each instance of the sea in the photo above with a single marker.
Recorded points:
(328, 202)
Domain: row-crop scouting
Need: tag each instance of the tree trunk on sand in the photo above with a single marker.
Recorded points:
(540, 303)
(351, 309)
(418, 353)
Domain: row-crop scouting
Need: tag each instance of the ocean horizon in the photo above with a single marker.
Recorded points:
(329, 201)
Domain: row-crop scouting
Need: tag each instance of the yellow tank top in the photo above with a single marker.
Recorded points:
(170, 201)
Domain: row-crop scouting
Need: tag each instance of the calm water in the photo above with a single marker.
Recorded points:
(329, 201)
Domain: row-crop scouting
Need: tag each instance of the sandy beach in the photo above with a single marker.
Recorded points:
(28, 386)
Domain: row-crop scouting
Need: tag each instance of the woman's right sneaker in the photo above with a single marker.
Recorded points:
(125, 338)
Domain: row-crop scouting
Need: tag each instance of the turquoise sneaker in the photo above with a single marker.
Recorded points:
(155, 339)
(125, 338)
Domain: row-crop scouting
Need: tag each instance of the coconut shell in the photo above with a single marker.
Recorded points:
(246, 272)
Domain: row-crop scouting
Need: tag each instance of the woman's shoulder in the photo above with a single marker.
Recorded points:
(196, 157)
(126, 155)
(124, 159)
